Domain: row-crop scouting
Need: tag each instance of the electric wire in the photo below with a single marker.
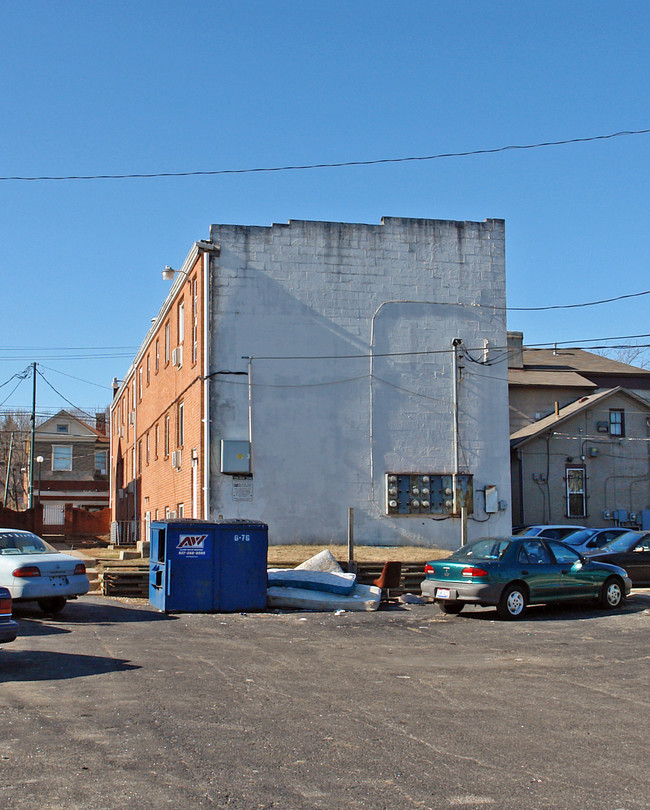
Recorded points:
(338, 165)
(44, 378)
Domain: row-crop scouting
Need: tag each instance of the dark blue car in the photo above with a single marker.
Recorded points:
(8, 627)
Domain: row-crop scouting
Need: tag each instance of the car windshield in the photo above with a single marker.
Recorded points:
(488, 549)
(623, 542)
(578, 538)
(23, 543)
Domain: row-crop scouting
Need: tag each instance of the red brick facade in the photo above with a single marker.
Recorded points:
(157, 438)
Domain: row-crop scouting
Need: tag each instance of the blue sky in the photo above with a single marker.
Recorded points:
(121, 87)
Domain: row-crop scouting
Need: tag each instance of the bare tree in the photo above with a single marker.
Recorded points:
(15, 429)
(638, 356)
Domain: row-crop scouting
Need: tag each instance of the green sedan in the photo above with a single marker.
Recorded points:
(514, 572)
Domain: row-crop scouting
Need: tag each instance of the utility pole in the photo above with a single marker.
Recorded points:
(456, 343)
(11, 449)
(30, 497)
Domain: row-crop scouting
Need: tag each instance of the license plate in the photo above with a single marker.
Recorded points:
(442, 593)
(58, 581)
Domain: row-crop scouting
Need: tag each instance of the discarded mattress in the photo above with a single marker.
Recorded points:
(323, 561)
(363, 597)
(339, 583)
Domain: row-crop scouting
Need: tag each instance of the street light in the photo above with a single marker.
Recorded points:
(39, 461)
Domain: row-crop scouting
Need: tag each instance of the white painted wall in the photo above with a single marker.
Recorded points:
(333, 315)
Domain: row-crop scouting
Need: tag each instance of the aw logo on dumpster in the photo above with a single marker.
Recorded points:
(192, 545)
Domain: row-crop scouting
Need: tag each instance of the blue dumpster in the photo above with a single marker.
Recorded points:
(200, 567)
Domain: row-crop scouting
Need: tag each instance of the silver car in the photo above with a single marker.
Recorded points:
(33, 570)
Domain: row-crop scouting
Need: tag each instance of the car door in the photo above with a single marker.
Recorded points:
(576, 579)
(636, 561)
(538, 570)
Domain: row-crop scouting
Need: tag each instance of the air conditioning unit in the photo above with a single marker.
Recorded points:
(602, 427)
(176, 459)
(177, 356)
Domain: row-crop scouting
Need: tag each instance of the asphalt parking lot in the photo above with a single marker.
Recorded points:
(113, 704)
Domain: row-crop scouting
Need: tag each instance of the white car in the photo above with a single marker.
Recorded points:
(33, 570)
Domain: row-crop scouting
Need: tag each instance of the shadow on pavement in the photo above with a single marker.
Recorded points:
(81, 611)
(636, 603)
(41, 665)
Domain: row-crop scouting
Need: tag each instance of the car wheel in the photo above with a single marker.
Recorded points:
(53, 604)
(451, 607)
(513, 603)
(612, 594)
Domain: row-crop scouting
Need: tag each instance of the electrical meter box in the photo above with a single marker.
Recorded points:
(200, 567)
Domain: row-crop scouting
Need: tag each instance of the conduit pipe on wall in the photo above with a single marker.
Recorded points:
(207, 458)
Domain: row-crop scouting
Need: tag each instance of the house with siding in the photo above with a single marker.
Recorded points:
(580, 438)
(74, 467)
(299, 371)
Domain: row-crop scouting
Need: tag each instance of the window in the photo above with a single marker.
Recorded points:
(61, 457)
(167, 435)
(147, 455)
(140, 383)
(616, 422)
(180, 510)
(533, 552)
(156, 441)
(61, 427)
(564, 555)
(181, 322)
(148, 369)
(157, 355)
(575, 492)
(195, 321)
(100, 462)
(167, 342)
(181, 431)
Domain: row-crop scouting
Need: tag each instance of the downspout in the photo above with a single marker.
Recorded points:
(207, 455)
(522, 500)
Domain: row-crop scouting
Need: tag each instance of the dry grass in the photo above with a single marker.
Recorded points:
(295, 554)
(299, 553)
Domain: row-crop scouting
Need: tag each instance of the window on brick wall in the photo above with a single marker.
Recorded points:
(148, 369)
(156, 440)
(181, 424)
(157, 355)
(195, 321)
(167, 342)
(166, 436)
(62, 457)
(181, 322)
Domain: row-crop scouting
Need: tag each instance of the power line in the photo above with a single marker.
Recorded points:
(576, 306)
(143, 176)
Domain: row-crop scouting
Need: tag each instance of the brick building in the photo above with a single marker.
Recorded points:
(299, 370)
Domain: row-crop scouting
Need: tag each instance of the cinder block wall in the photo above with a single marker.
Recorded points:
(349, 328)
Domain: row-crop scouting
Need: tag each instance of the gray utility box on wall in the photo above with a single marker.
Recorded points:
(235, 457)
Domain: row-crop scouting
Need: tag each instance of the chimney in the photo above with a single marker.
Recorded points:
(515, 349)
(100, 422)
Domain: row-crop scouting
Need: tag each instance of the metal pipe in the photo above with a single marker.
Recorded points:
(207, 428)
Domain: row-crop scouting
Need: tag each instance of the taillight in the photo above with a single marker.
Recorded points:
(80, 568)
(27, 571)
(429, 569)
(470, 571)
(5, 606)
